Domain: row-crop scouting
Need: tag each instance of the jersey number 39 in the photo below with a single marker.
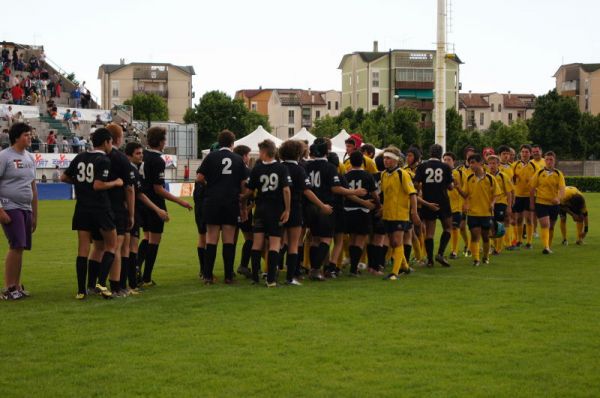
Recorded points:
(85, 173)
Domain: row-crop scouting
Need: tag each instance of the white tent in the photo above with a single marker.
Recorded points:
(304, 135)
(254, 138)
(340, 139)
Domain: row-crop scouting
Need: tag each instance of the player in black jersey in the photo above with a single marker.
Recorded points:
(89, 173)
(378, 241)
(152, 171)
(434, 179)
(357, 216)
(325, 183)
(135, 155)
(290, 153)
(271, 182)
(245, 226)
(224, 174)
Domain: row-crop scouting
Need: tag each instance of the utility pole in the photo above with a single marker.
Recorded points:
(440, 76)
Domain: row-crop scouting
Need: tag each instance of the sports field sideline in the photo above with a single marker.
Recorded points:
(526, 325)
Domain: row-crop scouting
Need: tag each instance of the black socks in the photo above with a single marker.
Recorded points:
(151, 254)
(355, 254)
(228, 259)
(93, 271)
(209, 261)
(444, 239)
(429, 249)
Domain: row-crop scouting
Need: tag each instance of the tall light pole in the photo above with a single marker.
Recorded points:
(440, 76)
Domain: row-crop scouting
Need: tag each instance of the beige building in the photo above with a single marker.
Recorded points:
(478, 110)
(395, 79)
(582, 82)
(120, 82)
(291, 109)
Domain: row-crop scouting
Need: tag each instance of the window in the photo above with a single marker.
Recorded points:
(317, 114)
(328, 105)
(510, 118)
(499, 107)
(492, 107)
(291, 116)
(350, 80)
(414, 75)
(375, 78)
(337, 105)
(423, 116)
(253, 106)
(375, 99)
(481, 119)
(290, 132)
(115, 86)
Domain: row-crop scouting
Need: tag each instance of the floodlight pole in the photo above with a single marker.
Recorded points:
(440, 76)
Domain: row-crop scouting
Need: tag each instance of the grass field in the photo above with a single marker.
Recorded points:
(526, 325)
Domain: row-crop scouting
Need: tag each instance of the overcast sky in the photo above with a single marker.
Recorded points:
(506, 44)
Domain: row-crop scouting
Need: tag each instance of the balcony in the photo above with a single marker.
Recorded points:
(306, 122)
(162, 93)
(404, 85)
(150, 74)
(425, 125)
(415, 104)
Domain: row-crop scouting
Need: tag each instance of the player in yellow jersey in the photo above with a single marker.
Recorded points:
(368, 162)
(547, 190)
(506, 153)
(523, 171)
(573, 203)
(456, 203)
(466, 171)
(503, 206)
(480, 193)
(417, 238)
(513, 156)
(399, 207)
(536, 156)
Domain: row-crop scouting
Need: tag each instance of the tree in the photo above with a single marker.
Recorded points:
(555, 124)
(404, 129)
(325, 127)
(590, 135)
(149, 107)
(454, 123)
(514, 135)
(216, 111)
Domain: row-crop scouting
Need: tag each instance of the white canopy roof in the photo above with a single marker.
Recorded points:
(304, 135)
(254, 138)
(340, 139)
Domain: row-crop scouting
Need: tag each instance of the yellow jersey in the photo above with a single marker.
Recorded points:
(505, 185)
(410, 171)
(539, 163)
(522, 175)
(547, 184)
(466, 170)
(570, 193)
(480, 194)
(368, 165)
(456, 199)
(396, 188)
(506, 168)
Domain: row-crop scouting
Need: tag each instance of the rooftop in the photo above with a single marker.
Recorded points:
(509, 100)
(110, 68)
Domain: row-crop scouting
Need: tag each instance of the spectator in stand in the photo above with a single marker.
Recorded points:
(35, 142)
(75, 144)
(53, 112)
(67, 116)
(4, 139)
(27, 85)
(15, 57)
(33, 98)
(44, 89)
(17, 94)
(33, 63)
(99, 121)
(75, 120)
(56, 175)
(44, 74)
(92, 129)
(5, 54)
(8, 115)
(57, 89)
(51, 141)
(44, 179)
(76, 94)
(83, 144)
(6, 97)
(19, 118)
(6, 72)
(65, 147)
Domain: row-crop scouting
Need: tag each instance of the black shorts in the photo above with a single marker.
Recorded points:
(246, 226)
(93, 220)
(320, 225)
(339, 220)
(457, 218)
(199, 218)
(521, 204)
(295, 219)
(500, 212)
(378, 225)
(121, 221)
(484, 223)
(394, 226)
(443, 213)
(135, 231)
(358, 222)
(152, 222)
(547, 211)
(224, 213)
(267, 220)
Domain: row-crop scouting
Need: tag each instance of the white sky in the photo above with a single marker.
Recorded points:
(506, 44)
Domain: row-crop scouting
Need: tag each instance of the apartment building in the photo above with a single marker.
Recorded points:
(582, 82)
(120, 82)
(479, 110)
(289, 110)
(397, 78)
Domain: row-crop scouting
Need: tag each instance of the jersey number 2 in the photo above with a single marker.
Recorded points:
(226, 162)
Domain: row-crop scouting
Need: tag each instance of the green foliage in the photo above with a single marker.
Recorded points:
(149, 107)
(590, 135)
(72, 79)
(326, 126)
(555, 125)
(514, 135)
(584, 184)
(216, 111)
(454, 123)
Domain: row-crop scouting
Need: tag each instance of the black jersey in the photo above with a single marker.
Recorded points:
(357, 179)
(300, 181)
(198, 190)
(86, 168)
(119, 168)
(269, 179)
(435, 177)
(224, 172)
(135, 178)
(152, 171)
(323, 177)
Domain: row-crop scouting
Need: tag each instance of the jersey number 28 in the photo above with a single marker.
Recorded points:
(434, 176)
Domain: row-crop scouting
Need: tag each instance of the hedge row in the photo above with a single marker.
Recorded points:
(584, 184)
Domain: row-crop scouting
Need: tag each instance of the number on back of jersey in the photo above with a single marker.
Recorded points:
(355, 184)
(434, 176)
(269, 182)
(315, 178)
(226, 162)
(85, 172)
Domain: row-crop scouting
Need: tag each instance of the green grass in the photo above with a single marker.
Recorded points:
(527, 325)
